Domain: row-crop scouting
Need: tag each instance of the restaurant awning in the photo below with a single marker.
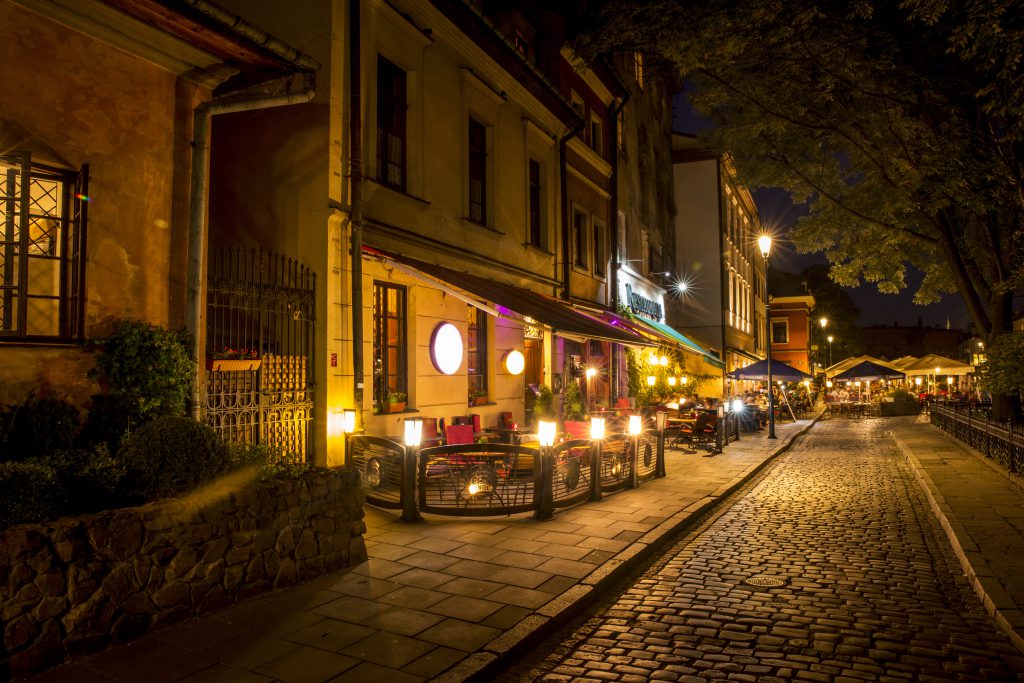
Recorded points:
(667, 335)
(559, 316)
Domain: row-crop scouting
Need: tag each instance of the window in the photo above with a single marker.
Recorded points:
(389, 344)
(536, 236)
(599, 255)
(579, 238)
(621, 235)
(477, 171)
(578, 105)
(476, 349)
(521, 44)
(780, 332)
(391, 106)
(42, 249)
(596, 137)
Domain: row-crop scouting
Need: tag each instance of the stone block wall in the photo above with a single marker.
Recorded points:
(78, 584)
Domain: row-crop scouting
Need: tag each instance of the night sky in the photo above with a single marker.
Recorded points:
(776, 210)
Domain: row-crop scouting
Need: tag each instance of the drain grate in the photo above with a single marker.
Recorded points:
(764, 581)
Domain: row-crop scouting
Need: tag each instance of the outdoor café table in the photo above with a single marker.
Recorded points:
(512, 436)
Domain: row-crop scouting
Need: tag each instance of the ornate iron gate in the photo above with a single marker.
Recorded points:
(260, 317)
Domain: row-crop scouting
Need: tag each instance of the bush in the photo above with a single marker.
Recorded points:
(29, 493)
(148, 367)
(573, 405)
(901, 395)
(40, 425)
(268, 461)
(90, 477)
(542, 407)
(108, 422)
(171, 455)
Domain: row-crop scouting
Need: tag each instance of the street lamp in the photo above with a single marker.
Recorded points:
(830, 338)
(764, 242)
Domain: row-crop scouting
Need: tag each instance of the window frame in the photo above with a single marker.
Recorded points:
(476, 169)
(476, 350)
(392, 118)
(67, 249)
(534, 203)
(783, 322)
(381, 313)
(599, 230)
(580, 252)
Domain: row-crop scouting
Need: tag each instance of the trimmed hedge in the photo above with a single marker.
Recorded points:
(29, 492)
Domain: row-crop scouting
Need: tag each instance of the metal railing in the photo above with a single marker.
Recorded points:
(970, 424)
(501, 479)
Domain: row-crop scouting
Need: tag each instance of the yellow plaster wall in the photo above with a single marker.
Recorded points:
(79, 101)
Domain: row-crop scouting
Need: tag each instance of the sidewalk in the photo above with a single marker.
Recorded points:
(443, 599)
(981, 508)
(447, 599)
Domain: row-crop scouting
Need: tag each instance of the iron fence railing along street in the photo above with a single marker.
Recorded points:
(970, 424)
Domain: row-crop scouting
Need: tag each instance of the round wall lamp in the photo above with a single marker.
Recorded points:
(446, 348)
(515, 362)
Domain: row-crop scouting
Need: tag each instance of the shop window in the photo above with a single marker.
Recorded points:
(42, 249)
(476, 350)
(477, 171)
(391, 111)
(579, 238)
(780, 332)
(599, 253)
(390, 367)
(536, 235)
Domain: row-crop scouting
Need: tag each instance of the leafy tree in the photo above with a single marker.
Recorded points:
(900, 124)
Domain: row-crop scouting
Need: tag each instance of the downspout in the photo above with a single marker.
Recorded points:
(613, 207)
(199, 202)
(563, 186)
(356, 202)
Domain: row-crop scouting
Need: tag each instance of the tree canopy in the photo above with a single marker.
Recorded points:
(901, 125)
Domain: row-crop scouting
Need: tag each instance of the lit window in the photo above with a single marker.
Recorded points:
(476, 349)
(42, 260)
(389, 343)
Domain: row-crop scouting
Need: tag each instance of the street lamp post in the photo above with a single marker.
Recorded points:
(823, 321)
(764, 242)
(830, 338)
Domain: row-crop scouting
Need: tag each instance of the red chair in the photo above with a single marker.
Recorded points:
(431, 437)
(458, 434)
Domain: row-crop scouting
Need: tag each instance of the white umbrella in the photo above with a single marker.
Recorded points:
(934, 364)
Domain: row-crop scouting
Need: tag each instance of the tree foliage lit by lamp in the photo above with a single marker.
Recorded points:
(764, 243)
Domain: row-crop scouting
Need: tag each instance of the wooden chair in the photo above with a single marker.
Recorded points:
(694, 432)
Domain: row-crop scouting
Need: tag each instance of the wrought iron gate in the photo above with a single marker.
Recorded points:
(260, 317)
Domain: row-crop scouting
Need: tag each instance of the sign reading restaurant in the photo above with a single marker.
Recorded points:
(642, 305)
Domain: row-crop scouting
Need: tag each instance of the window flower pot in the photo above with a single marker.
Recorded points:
(232, 364)
(396, 407)
(479, 400)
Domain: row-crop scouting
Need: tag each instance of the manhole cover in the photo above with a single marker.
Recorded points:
(763, 581)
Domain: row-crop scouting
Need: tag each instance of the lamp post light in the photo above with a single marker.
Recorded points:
(597, 436)
(636, 426)
(543, 486)
(830, 338)
(413, 439)
(823, 321)
(348, 427)
(660, 420)
(764, 242)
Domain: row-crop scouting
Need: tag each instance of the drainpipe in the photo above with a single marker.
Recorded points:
(563, 184)
(199, 201)
(613, 230)
(356, 209)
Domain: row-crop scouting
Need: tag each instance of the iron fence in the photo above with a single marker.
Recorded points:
(501, 479)
(970, 424)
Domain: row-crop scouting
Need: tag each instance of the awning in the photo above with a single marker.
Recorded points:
(665, 334)
(745, 354)
(560, 317)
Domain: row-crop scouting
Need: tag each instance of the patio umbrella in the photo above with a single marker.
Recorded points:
(844, 365)
(759, 371)
(946, 366)
(869, 370)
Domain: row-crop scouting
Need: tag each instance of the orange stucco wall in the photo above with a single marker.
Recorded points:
(797, 351)
(72, 100)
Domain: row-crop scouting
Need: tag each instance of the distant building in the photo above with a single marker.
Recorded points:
(790, 324)
(894, 341)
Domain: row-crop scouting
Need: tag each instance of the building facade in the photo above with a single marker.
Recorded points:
(791, 330)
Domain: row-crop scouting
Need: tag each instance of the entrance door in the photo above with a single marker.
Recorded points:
(534, 372)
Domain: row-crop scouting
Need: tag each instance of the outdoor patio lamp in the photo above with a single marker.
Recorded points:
(764, 243)
(348, 421)
(596, 428)
(663, 361)
(591, 373)
(413, 432)
(660, 418)
(651, 379)
(671, 381)
(546, 433)
(949, 381)
(545, 497)
(917, 381)
(828, 384)
(683, 380)
(636, 424)
(413, 439)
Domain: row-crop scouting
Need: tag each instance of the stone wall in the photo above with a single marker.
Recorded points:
(81, 583)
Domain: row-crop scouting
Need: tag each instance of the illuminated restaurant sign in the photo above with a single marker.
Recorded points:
(641, 305)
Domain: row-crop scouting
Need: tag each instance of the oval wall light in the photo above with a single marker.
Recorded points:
(446, 348)
(515, 362)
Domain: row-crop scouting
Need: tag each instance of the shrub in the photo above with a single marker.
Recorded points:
(901, 395)
(90, 477)
(108, 422)
(148, 367)
(573, 404)
(29, 493)
(40, 425)
(171, 455)
(542, 407)
(268, 461)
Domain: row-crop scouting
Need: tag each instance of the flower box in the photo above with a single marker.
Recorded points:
(396, 407)
(479, 400)
(232, 364)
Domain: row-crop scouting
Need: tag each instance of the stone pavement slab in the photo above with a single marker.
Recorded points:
(443, 599)
(981, 508)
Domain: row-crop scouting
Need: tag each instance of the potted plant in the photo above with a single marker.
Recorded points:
(477, 398)
(396, 402)
(232, 360)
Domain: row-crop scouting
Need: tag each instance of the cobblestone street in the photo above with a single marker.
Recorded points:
(872, 589)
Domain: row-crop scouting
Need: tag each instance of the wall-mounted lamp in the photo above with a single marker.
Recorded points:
(515, 362)
(446, 348)
(591, 373)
